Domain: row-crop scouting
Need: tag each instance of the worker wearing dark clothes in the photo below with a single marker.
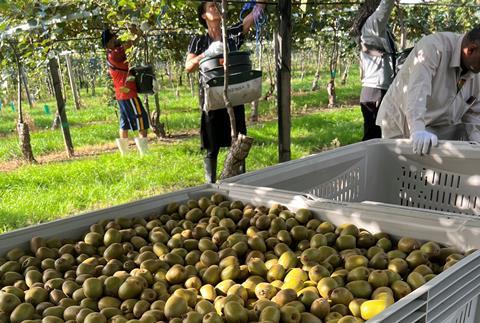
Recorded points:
(215, 124)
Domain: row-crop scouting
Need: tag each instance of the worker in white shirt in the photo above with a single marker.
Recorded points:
(437, 87)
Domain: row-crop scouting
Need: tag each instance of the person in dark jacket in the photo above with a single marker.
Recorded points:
(215, 124)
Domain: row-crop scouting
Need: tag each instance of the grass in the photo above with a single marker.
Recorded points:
(38, 193)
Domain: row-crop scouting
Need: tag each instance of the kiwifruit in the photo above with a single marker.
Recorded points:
(284, 296)
(416, 258)
(346, 242)
(93, 288)
(317, 272)
(358, 273)
(95, 318)
(415, 280)
(341, 295)
(378, 278)
(407, 244)
(36, 295)
(360, 288)
(326, 285)
(8, 302)
(356, 261)
(400, 289)
(234, 312)
(289, 314)
(354, 306)
(308, 295)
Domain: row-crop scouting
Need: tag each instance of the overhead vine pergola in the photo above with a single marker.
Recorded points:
(42, 29)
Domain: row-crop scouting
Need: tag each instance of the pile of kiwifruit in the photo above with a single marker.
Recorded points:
(213, 260)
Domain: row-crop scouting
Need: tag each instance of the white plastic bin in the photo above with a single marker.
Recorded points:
(450, 297)
(383, 171)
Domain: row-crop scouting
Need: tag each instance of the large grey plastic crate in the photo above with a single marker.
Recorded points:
(384, 171)
(450, 297)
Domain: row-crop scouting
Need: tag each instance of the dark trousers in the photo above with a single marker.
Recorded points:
(370, 99)
(370, 129)
(210, 163)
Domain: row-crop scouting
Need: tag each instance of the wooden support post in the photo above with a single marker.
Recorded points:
(57, 87)
(22, 128)
(283, 64)
(73, 84)
(62, 81)
(27, 90)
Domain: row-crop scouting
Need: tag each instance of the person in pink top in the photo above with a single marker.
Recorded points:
(132, 114)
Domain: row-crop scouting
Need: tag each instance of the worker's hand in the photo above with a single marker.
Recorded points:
(215, 48)
(422, 140)
(257, 11)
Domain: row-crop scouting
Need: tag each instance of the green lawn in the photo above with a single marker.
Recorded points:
(38, 193)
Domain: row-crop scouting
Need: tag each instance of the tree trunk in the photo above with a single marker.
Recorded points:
(54, 70)
(22, 128)
(24, 136)
(168, 71)
(56, 121)
(73, 84)
(332, 96)
(93, 84)
(27, 90)
(157, 126)
(302, 67)
(241, 144)
(254, 114)
(50, 84)
(271, 89)
(180, 69)
(236, 156)
(179, 82)
(316, 79)
(147, 109)
(345, 74)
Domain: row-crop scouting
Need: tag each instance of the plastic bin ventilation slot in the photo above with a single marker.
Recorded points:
(384, 171)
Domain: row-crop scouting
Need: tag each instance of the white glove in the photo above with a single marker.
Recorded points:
(215, 48)
(422, 140)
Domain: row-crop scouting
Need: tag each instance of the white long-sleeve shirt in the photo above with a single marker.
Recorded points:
(377, 70)
(429, 90)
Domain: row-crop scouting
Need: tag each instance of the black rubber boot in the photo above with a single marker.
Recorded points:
(210, 165)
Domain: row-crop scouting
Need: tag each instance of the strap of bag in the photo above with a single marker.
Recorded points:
(113, 67)
(394, 53)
